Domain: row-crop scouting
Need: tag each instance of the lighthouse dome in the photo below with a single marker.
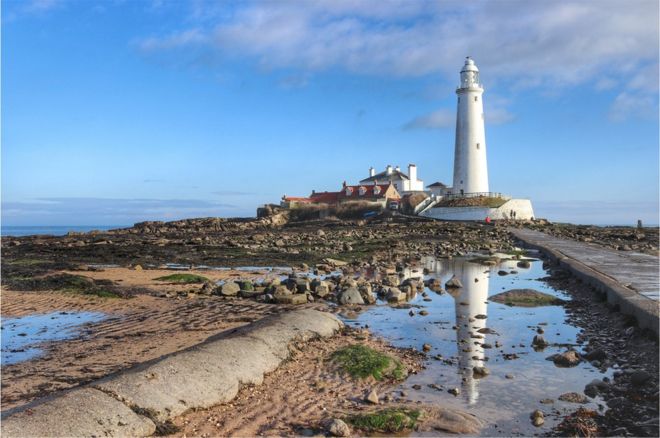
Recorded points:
(469, 65)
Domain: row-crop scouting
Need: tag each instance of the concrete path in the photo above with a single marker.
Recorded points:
(629, 279)
(136, 401)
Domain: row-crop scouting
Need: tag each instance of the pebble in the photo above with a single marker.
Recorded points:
(537, 418)
(337, 427)
(454, 391)
(426, 347)
(372, 397)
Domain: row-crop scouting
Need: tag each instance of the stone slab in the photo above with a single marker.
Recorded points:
(198, 377)
(212, 372)
(81, 412)
(629, 279)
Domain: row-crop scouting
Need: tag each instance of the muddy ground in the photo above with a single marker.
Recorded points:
(151, 318)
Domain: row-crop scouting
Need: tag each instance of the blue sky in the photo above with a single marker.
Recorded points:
(120, 111)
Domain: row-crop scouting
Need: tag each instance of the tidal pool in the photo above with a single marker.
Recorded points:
(22, 336)
(452, 329)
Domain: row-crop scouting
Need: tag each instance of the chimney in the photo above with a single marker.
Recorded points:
(412, 172)
(372, 172)
(344, 184)
(388, 170)
(398, 169)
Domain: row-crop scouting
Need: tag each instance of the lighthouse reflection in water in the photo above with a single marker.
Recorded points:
(471, 312)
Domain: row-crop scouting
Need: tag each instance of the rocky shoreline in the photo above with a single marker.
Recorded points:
(347, 263)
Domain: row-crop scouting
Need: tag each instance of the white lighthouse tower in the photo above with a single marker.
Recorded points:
(470, 167)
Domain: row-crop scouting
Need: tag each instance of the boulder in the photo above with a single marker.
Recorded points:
(351, 296)
(337, 427)
(454, 283)
(394, 295)
(291, 299)
(568, 358)
(229, 289)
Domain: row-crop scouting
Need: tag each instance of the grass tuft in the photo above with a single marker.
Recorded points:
(386, 421)
(183, 278)
(361, 361)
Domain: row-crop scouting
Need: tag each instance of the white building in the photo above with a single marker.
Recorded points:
(403, 183)
(470, 167)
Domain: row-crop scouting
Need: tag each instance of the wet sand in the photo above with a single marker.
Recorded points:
(136, 330)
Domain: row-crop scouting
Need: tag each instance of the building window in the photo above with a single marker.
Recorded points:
(377, 190)
(349, 191)
(362, 190)
(476, 98)
(478, 145)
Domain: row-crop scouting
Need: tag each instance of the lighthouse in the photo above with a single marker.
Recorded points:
(470, 167)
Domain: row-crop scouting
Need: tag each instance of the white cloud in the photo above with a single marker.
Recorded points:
(442, 118)
(629, 105)
(532, 42)
(39, 6)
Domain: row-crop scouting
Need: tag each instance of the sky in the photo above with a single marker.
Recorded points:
(120, 111)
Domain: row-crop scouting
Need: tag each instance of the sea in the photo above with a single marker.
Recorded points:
(52, 230)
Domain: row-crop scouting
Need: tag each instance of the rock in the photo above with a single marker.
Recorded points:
(569, 358)
(291, 299)
(573, 397)
(137, 268)
(335, 262)
(281, 290)
(594, 387)
(423, 312)
(426, 347)
(539, 341)
(597, 354)
(480, 371)
(525, 298)
(337, 427)
(322, 290)
(394, 295)
(537, 418)
(417, 387)
(246, 285)
(207, 288)
(229, 289)
(453, 282)
(280, 243)
(523, 264)
(639, 377)
(302, 285)
(454, 391)
(502, 273)
(508, 376)
(351, 296)
(372, 397)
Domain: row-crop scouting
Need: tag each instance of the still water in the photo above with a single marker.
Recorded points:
(452, 328)
(22, 336)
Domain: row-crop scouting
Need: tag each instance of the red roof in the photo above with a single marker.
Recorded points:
(365, 191)
(325, 197)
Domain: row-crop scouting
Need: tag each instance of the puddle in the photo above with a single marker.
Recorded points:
(21, 336)
(450, 328)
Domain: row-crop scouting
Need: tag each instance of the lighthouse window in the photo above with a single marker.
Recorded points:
(476, 98)
(477, 145)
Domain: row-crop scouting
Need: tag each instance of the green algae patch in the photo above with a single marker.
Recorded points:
(361, 362)
(68, 283)
(183, 278)
(390, 420)
(526, 298)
